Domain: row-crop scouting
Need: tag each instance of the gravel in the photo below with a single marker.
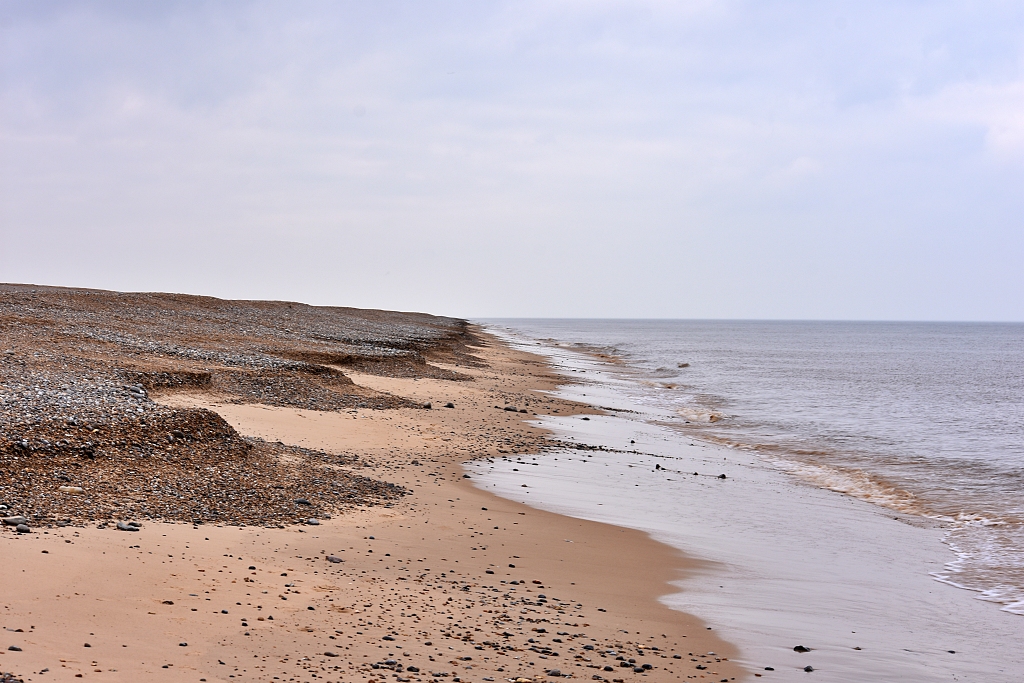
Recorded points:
(78, 369)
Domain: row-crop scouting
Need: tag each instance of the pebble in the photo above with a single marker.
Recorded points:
(334, 559)
(76, 401)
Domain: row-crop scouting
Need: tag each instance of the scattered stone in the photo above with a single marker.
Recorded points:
(23, 529)
(330, 654)
(312, 521)
(14, 648)
(449, 405)
(808, 668)
(15, 521)
(127, 526)
(334, 559)
(302, 501)
(428, 406)
(801, 648)
(76, 401)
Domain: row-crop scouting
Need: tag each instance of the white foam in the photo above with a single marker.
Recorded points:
(789, 563)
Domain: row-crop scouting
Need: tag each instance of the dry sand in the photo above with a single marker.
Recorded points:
(426, 583)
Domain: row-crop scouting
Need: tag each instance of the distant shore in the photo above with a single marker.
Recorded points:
(420, 581)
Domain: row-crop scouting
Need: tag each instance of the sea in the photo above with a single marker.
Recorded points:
(872, 503)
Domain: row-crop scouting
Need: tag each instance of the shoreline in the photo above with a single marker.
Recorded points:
(614, 575)
(795, 564)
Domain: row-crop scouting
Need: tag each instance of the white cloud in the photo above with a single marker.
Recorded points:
(998, 108)
(636, 149)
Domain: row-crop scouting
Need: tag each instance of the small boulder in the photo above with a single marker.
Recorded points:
(15, 520)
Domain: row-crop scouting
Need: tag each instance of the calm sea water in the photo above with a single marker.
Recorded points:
(923, 418)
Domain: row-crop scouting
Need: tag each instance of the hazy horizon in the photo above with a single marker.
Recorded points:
(631, 160)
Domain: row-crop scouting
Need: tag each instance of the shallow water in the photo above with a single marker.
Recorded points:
(923, 418)
(795, 562)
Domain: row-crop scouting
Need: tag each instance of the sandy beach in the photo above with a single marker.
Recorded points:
(444, 582)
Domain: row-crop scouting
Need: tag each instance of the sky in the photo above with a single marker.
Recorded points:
(560, 158)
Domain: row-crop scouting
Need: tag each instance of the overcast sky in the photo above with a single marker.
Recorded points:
(577, 158)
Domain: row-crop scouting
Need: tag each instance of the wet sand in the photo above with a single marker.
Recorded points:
(432, 573)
